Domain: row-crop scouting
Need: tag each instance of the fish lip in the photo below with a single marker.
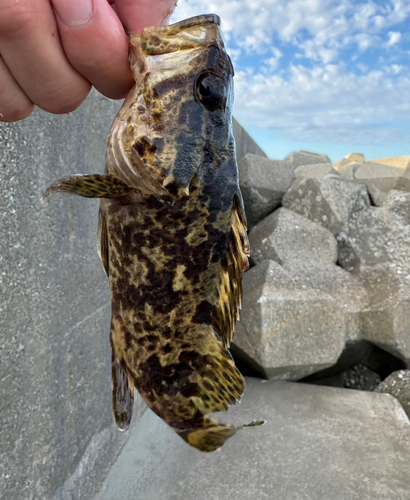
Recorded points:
(206, 28)
(194, 21)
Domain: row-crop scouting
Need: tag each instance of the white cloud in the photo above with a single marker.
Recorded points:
(326, 103)
(364, 41)
(313, 50)
(254, 42)
(362, 67)
(330, 24)
(394, 69)
(271, 63)
(394, 37)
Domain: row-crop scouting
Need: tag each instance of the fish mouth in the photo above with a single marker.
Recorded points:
(193, 33)
(193, 21)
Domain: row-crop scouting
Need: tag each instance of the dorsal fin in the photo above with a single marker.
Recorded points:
(233, 263)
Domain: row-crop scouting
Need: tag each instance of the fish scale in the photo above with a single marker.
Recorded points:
(172, 232)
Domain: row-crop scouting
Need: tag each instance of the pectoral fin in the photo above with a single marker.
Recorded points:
(90, 186)
(102, 240)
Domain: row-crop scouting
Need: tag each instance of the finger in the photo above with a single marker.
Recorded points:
(14, 104)
(31, 49)
(98, 48)
(137, 14)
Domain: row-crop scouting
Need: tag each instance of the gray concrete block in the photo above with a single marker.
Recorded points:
(320, 443)
(298, 158)
(398, 202)
(349, 159)
(330, 201)
(379, 179)
(374, 236)
(296, 319)
(286, 236)
(385, 321)
(54, 310)
(263, 183)
(316, 170)
(403, 183)
(398, 385)
(348, 171)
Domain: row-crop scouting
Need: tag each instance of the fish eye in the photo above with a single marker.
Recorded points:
(210, 90)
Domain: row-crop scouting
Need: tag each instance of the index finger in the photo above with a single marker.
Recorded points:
(135, 15)
(98, 47)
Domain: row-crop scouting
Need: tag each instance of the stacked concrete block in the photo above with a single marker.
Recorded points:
(330, 267)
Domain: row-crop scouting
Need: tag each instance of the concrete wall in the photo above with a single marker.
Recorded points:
(244, 142)
(56, 433)
(57, 438)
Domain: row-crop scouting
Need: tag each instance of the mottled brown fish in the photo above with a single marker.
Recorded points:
(172, 232)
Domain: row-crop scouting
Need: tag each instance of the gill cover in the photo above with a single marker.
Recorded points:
(177, 118)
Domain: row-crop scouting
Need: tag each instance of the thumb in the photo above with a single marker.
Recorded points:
(135, 15)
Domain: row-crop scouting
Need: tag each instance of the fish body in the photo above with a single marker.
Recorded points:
(172, 232)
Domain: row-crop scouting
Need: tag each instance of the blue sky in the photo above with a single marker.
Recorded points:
(322, 75)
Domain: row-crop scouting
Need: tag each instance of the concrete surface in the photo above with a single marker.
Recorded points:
(396, 161)
(386, 320)
(57, 437)
(330, 201)
(379, 179)
(296, 318)
(398, 202)
(263, 183)
(319, 443)
(348, 159)
(316, 170)
(244, 142)
(398, 385)
(285, 236)
(296, 159)
(374, 236)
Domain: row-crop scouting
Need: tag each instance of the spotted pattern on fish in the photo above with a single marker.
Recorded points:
(173, 242)
(168, 275)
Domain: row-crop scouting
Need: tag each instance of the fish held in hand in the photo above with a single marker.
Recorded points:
(172, 232)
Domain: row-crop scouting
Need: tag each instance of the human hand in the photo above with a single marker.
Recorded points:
(53, 51)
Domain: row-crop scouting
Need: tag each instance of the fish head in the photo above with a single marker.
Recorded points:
(176, 124)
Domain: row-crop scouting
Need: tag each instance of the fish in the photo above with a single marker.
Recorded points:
(172, 235)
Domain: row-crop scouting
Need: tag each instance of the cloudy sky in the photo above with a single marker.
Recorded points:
(331, 76)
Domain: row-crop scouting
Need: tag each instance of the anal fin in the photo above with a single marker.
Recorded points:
(90, 186)
(122, 394)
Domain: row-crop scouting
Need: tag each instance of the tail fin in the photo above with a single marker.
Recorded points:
(212, 434)
(208, 438)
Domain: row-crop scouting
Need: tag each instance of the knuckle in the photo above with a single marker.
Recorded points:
(115, 92)
(62, 104)
(15, 113)
(16, 18)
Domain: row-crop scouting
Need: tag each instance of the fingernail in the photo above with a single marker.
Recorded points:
(167, 14)
(74, 12)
